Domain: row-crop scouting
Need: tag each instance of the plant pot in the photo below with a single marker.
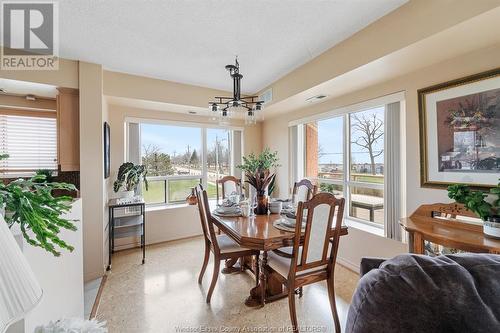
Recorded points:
(125, 194)
(262, 204)
(491, 227)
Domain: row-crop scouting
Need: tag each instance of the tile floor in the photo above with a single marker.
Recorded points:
(163, 296)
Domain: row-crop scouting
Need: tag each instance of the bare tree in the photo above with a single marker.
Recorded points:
(371, 129)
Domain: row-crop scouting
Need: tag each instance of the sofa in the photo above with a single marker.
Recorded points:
(417, 293)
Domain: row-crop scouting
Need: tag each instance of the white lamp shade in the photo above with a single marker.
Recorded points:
(19, 289)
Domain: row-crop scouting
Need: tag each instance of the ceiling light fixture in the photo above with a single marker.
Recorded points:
(226, 107)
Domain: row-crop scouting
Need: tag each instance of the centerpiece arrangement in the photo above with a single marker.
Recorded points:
(259, 176)
(484, 204)
(30, 204)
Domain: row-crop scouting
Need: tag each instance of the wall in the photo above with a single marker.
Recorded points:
(275, 135)
(91, 168)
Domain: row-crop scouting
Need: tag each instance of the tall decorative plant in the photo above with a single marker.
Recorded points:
(129, 176)
(30, 204)
(266, 160)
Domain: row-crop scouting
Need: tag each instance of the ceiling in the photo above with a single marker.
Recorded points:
(192, 41)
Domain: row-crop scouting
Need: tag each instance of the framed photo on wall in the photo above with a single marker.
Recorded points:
(460, 132)
(107, 151)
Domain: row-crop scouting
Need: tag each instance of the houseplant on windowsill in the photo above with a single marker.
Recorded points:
(30, 204)
(128, 178)
(485, 204)
(258, 174)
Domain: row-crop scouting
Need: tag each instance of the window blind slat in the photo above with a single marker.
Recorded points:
(31, 143)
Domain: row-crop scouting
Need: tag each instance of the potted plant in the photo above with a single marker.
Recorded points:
(129, 176)
(258, 174)
(485, 204)
(30, 204)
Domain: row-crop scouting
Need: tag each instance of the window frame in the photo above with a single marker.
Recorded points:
(297, 158)
(203, 127)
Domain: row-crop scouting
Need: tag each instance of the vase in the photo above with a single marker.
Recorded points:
(192, 199)
(262, 204)
(491, 227)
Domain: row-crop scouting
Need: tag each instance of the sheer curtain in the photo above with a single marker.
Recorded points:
(392, 179)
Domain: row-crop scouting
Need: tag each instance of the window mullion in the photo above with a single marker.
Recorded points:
(204, 170)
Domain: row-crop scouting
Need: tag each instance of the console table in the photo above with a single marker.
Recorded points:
(443, 224)
(127, 220)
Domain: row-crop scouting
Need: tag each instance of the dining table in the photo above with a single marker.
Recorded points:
(258, 232)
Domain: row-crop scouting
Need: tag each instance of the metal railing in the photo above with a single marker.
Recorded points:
(169, 189)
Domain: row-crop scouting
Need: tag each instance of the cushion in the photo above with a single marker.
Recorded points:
(281, 265)
(416, 293)
(227, 244)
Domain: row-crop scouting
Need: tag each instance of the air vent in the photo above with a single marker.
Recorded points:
(192, 112)
(266, 96)
(315, 98)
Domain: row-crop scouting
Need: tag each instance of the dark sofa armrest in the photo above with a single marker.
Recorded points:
(367, 264)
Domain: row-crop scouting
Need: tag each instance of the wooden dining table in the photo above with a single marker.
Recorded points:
(258, 232)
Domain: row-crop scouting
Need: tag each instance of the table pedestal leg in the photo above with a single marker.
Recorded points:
(230, 267)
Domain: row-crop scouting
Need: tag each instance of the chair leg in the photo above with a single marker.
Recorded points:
(215, 276)
(257, 270)
(293, 313)
(205, 263)
(333, 305)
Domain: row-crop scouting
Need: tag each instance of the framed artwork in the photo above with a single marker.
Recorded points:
(460, 132)
(107, 151)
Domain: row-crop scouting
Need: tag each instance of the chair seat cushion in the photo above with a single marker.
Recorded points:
(416, 293)
(281, 265)
(228, 245)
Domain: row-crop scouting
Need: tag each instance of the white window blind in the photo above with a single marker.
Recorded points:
(30, 141)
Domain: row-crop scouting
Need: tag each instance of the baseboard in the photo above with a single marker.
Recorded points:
(348, 264)
(97, 300)
(93, 275)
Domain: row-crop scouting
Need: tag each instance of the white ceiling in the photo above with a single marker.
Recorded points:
(191, 41)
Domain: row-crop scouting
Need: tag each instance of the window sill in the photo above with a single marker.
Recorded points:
(364, 227)
(153, 208)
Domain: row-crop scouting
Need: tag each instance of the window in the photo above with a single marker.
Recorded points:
(30, 140)
(178, 158)
(345, 155)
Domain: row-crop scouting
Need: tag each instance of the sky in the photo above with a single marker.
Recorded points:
(330, 134)
(175, 139)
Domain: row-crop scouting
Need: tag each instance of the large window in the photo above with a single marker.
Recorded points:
(30, 142)
(180, 157)
(345, 155)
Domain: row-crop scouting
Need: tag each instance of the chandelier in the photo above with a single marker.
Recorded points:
(227, 107)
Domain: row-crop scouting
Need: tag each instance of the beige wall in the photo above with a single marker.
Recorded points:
(360, 243)
(91, 168)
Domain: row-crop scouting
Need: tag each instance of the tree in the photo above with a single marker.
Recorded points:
(156, 162)
(370, 129)
(194, 160)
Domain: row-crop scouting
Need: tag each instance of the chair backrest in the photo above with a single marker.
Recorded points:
(304, 190)
(322, 233)
(205, 215)
(229, 185)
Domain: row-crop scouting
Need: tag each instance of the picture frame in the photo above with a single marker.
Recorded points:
(107, 150)
(459, 129)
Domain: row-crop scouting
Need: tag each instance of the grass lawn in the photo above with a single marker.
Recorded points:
(178, 190)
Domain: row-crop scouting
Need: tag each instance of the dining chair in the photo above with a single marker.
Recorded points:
(229, 185)
(222, 246)
(314, 259)
(304, 190)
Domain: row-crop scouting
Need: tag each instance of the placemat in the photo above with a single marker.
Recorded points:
(279, 226)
